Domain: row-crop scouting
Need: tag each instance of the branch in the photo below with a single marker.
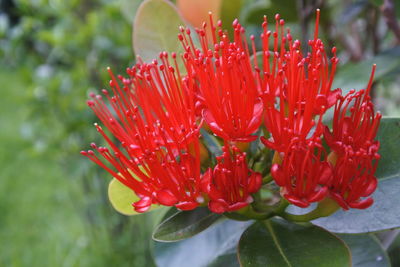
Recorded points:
(389, 13)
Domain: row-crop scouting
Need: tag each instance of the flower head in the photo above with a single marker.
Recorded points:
(226, 83)
(152, 116)
(304, 176)
(296, 88)
(231, 182)
(355, 152)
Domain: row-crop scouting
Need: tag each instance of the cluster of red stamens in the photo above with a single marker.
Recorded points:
(155, 115)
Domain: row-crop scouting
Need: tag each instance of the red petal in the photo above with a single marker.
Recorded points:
(143, 202)
(320, 101)
(362, 204)
(318, 195)
(166, 198)
(246, 139)
(206, 180)
(278, 174)
(237, 206)
(187, 205)
(214, 193)
(326, 174)
(142, 210)
(217, 206)
(209, 118)
(296, 201)
(339, 199)
(373, 183)
(255, 182)
(333, 96)
(257, 117)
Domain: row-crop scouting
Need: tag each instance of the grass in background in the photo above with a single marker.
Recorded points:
(46, 219)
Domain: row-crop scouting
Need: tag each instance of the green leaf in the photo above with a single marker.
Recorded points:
(211, 143)
(122, 197)
(389, 138)
(356, 75)
(254, 12)
(185, 224)
(281, 243)
(366, 251)
(384, 214)
(215, 247)
(156, 29)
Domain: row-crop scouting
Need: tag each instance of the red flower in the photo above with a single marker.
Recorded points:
(354, 126)
(303, 175)
(352, 140)
(226, 83)
(353, 182)
(231, 182)
(153, 118)
(296, 88)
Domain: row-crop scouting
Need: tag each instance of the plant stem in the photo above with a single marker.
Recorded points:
(267, 179)
(325, 208)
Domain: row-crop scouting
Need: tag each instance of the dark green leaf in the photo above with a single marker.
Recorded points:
(366, 251)
(211, 143)
(216, 246)
(389, 138)
(185, 224)
(281, 243)
(254, 12)
(156, 29)
(385, 212)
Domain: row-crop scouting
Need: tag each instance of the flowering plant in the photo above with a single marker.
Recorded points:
(223, 131)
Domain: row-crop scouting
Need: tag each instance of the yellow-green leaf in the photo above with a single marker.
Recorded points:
(121, 197)
(156, 29)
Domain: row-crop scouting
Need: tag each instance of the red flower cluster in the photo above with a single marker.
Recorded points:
(152, 115)
(155, 115)
(231, 182)
(354, 149)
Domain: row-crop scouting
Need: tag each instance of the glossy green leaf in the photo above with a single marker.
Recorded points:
(385, 212)
(185, 224)
(281, 243)
(156, 29)
(122, 197)
(389, 138)
(366, 251)
(215, 247)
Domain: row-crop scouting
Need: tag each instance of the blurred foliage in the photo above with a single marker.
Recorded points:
(54, 52)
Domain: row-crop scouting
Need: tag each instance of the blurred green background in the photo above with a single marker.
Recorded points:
(53, 202)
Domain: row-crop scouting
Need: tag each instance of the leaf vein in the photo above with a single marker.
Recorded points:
(276, 241)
